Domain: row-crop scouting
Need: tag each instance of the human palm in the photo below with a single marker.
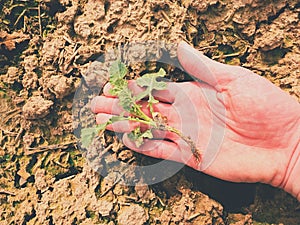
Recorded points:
(243, 124)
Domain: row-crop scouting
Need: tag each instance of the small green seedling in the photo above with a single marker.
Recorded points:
(129, 103)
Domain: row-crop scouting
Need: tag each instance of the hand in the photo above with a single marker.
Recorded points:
(247, 128)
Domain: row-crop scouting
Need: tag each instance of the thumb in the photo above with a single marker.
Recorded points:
(204, 68)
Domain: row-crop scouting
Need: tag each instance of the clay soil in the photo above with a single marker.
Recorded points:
(46, 47)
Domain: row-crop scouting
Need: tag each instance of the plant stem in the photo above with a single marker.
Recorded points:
(140, 114)
(150, 123)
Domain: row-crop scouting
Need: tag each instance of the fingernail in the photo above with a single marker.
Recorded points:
(107, 87)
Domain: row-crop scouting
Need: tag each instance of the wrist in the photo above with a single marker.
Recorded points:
(291, 183)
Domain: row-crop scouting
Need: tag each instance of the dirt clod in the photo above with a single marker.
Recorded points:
(36, 108)
(58, 85)
(30, 80)
(12, 75)
(132, 215)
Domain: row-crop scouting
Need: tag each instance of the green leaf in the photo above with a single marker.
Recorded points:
(149, 81)
(117, 70)
(88, 134)
(125, 99)
(117, 118)
(120, 89)
(118, 86)
(138, 137)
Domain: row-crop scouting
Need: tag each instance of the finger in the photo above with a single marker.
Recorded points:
(165, 110)
(103, 104)
(204, 68)
(131, 84)
(106, 90)
(120, 126)
(164, 150)
(165, 135)
(166, 95)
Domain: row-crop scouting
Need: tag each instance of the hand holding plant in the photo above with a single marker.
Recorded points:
(259, 130)
(148, 122)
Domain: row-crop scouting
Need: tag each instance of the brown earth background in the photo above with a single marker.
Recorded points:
(47, 46)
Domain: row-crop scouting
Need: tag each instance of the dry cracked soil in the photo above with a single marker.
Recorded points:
(47, 46)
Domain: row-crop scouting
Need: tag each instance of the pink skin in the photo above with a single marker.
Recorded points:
(261, 125)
